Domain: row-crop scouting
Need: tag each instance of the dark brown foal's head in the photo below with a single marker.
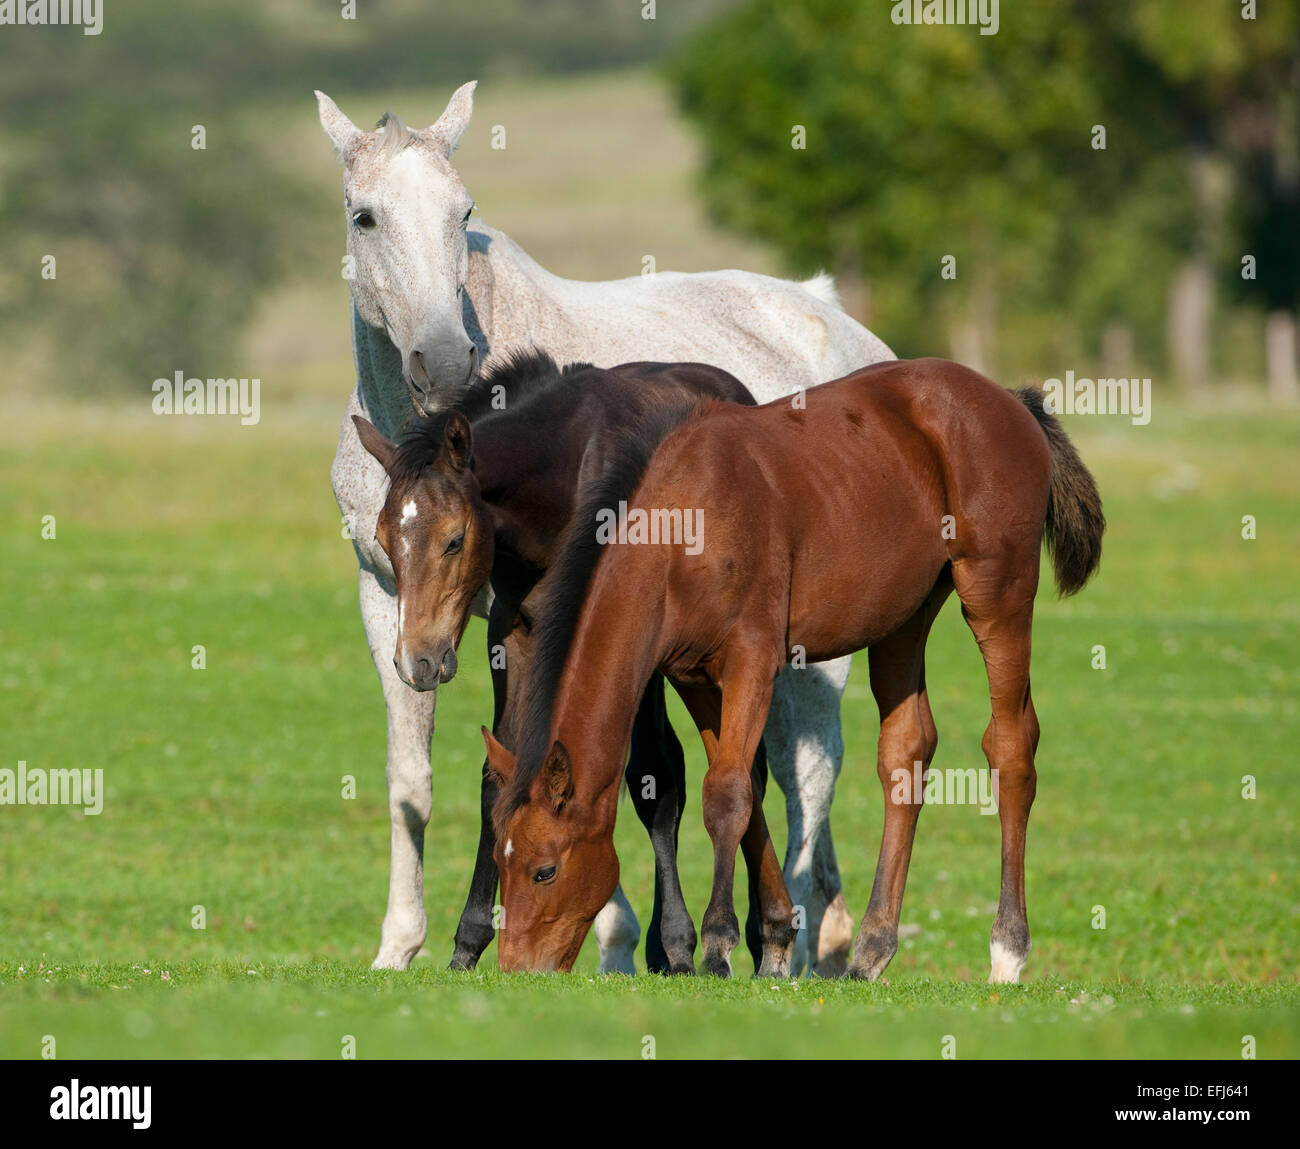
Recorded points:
(437, 532)
(557, 863)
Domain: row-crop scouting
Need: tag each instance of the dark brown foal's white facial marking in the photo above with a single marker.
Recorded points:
(437, 533)
(557, 863)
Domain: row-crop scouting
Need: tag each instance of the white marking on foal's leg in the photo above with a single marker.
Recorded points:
(617, 934)
(1006, 966)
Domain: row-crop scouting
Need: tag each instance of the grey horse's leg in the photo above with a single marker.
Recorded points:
(617, 933)
(804, 752)
(410, 787)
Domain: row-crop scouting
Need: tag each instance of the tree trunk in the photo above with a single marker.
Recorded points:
(973, 338)
(853, 287)
(1188, 330)
(1117, 350)
(966, 341)
(1280, 352)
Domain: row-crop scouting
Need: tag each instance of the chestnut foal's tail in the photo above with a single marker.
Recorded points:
(1074, 520)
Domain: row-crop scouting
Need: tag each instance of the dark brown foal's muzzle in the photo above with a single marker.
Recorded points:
(429, 669)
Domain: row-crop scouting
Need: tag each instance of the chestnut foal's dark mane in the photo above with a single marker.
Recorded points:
(570, 576)
(525, 375)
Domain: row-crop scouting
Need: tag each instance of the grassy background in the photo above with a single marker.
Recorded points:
(224, 785)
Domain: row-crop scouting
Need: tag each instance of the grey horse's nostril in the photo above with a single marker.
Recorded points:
(416, 368)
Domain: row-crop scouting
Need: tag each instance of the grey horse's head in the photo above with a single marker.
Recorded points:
(407, 213)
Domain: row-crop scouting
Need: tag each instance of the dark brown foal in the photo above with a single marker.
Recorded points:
(466, 502)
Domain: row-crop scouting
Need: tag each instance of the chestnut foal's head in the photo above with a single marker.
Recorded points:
(557, 863)
(437, 532)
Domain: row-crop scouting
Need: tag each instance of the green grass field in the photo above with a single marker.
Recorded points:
(224, 785)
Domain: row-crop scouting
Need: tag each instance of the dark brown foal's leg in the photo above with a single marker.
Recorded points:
(475, 930)
(998, 604)
(907, 736)
(656, 759)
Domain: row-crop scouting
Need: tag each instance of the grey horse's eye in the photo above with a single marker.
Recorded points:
(468, 213)
(363, 219)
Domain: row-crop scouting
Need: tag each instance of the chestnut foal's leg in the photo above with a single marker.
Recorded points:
(769, 929)
(656, 779)
(753, 919)
(474, 930)
(907, 736)
(997, 598)
(731, 725)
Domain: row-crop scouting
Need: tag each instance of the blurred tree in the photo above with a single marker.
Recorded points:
(934, 141)
(161, 250)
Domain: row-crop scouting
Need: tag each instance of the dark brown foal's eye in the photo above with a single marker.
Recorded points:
(455, 546)
(363, 219)
(545, 874)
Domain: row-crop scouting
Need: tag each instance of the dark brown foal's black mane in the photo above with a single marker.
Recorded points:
(525, 375)
(532, 379)
(570, 575)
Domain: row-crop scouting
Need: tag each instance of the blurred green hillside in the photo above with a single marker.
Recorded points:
(168, 257)
(821, 134)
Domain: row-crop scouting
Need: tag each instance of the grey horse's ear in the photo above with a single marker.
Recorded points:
(374, 442)
(342, 131)
(454, 120)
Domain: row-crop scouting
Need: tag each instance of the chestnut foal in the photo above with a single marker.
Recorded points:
(836, 520)
(463, 505)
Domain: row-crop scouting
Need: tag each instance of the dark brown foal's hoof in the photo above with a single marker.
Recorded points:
(717, 965)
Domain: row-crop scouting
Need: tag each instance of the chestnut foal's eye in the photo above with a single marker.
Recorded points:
(455, 546)
(364, 220)
(545, 874)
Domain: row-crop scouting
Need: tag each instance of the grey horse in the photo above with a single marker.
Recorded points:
(435, 298)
